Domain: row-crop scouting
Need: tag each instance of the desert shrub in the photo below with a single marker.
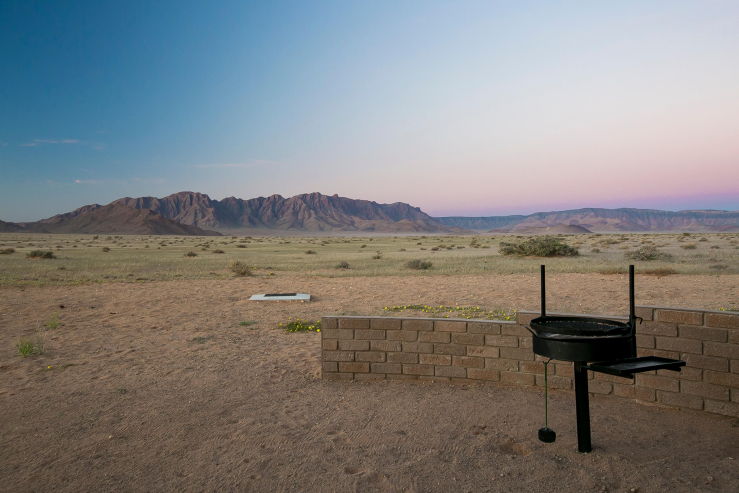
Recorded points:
(363, 246)
(545, 246)
(715, 247)
(218, 251)
(40, 254)
(7, 251)
(418, 265)
(402, 249)
(703, 239)
(342, 265)
(689, 246)
(434, 249)
(239, 268)
(659, 272)
(646, 253)
(595, 250)
(377, 256)
(240, 246)
(310, 252)
(191, 254)
(106, 249)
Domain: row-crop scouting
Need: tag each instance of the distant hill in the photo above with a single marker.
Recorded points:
(563, 229)
(109, 219)
(306, 212)
(606, 220)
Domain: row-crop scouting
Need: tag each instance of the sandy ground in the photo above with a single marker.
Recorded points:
(146, 408)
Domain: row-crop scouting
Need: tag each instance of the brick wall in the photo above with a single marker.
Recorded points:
(474, 351)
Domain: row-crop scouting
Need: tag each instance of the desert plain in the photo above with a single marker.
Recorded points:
(152, 371)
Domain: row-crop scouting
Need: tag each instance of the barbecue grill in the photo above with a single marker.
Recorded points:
(608, 345)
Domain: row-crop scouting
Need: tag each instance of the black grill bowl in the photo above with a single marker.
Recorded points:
(579, 326)
(581, 339)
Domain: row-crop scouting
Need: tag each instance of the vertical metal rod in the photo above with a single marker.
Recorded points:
(582, 408)
(632, 311)
(546, 397)
(543, 294)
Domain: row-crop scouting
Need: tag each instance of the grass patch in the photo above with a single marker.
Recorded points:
(342, 265)
(25, 347)
(466, 312)
(202, 340)
(646, 253)
(537, 246)
(299, 325)
(689, 246)
(246, 323)
(7, 251)
(53, 321)
(418, 265)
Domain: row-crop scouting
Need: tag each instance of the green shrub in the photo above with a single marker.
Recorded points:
(191, 254)
(7, 251)
(239, 268)
(342, 265)
(106, 249)
(646, 253)
(40, 254)
(418, 265)
(538, 246)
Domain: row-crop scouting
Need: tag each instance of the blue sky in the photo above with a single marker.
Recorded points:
(460, 108)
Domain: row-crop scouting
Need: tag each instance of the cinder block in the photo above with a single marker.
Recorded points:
(398, 376)
(418, 369)
(434, 359)
(369, 377)
(725, 379)
(438, 337)
(679, 316)
(386, 345)
(524, 379)
(517, 353)
(501, 341)
(354, 367)
(385, 323)
(526, 342)
(417, 325)
(488, 375)
(722, 320)
(645, 312)
(646, 342)
(417, 347)
(667, 354)
(337, 333)
(679, 345)
(354, 345)
(532, 367)
(724, 408)
(386, 368)
(734, 366)
(680, 400)
(354, 323)
(514, 330)
(501, 364)
(554, 382)
(598, 387)
(703, 333)
(329, 323)
(659, 383)
(734, 395)
(626, 391)
(329, 344)
(329, 366)
(685, 373)
(402, 335)
(657, 329)
(483, 351)
(450, 349)
(402, 358)
(369, 334)
(468, 362)
(730, 351)
(482, 328)
(565, 370)
(338, 376)
(450, 371)
(707, 362)
(734, 336)
(644, 394)
(370, 356)
(705, 390)
(338, 356)
(468, 339)
(450, 326)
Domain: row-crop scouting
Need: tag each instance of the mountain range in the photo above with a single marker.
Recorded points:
(192, 213)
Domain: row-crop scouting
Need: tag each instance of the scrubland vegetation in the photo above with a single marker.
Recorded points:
(78, 259)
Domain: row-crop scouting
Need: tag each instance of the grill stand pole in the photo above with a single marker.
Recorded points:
(582, 408)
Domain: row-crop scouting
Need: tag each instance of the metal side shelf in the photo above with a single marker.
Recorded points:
(627, 367)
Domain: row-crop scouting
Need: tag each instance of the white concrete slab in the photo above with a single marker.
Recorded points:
(280, 297)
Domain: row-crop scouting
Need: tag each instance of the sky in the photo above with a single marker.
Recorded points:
(459, 108)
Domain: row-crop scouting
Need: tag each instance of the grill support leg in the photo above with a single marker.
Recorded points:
(582, 408)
